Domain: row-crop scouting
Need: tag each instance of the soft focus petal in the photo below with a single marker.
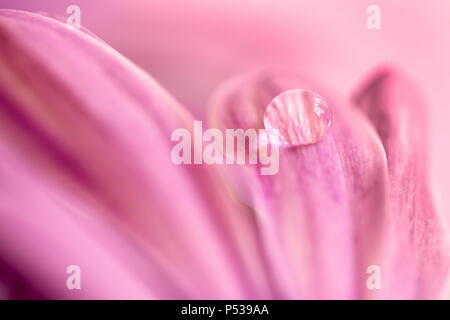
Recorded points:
(85, 139)
(419, 243)
(321, 216)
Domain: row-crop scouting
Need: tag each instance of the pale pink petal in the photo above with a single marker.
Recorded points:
(321, 216)
(419, 243)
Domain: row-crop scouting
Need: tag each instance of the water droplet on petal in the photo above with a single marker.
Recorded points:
(297, 117)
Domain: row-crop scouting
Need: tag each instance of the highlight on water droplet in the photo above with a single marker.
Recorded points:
(297, 117)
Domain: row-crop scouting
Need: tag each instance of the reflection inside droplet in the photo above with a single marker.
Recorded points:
(297, 117)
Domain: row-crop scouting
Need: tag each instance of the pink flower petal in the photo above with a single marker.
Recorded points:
(321, 216)
(419, 243)
(85, 139)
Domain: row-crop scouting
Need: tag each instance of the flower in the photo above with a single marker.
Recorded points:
(87, 180)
